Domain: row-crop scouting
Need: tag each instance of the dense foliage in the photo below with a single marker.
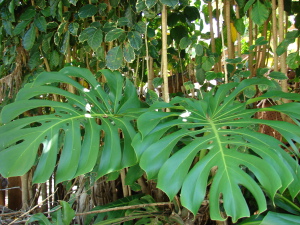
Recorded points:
(101, 119)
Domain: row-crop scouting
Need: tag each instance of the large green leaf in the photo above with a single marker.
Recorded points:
(221, 130)
(70, 129)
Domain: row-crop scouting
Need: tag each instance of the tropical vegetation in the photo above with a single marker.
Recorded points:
(151, 112)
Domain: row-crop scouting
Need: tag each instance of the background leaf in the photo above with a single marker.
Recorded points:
(86, 33)
(185, 42)
(114, 58)
(135, 39)
(171, 3)
(41, 23)
(95, 39)
(128, 53)
(114, 34)
(260, 13)
(278, 75)
(87, 11)
(29, 38)
(191, 13)
(240, 26)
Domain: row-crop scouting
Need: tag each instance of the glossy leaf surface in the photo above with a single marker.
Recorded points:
(221, 131)
(71, 128)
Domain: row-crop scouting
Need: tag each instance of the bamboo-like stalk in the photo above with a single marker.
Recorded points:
(239, 44)
(227, 22)
(218, 18)
(263, 49)
(44, 197)
(224, 54)
(25, 191)
(256, 50)
(219, 63)
(50, 185)
(250, 60)
(164, 59)
(124, 187)
(150, 74)
(212, 35)
(274, 33)
(149, 63)
(283, 67)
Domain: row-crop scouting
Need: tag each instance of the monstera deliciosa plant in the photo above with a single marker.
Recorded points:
(206, 148)
(71, 128)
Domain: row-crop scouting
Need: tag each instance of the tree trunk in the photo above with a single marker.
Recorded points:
(15, 193)
(3, 185)
(164, 59)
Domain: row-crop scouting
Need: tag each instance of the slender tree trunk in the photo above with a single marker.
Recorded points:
(218, 18)
(150, 74)
(250, 60)
(44, 197)
(227, 22)
(212, 34)
(14, 194)
(274, 33)
(3, 185)
(223, 58)
(263, 49)
(25, 191)
(219, 66)
(283, 67)
(239, 44)
(164, 59)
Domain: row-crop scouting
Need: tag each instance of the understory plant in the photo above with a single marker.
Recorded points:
(204, 149)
